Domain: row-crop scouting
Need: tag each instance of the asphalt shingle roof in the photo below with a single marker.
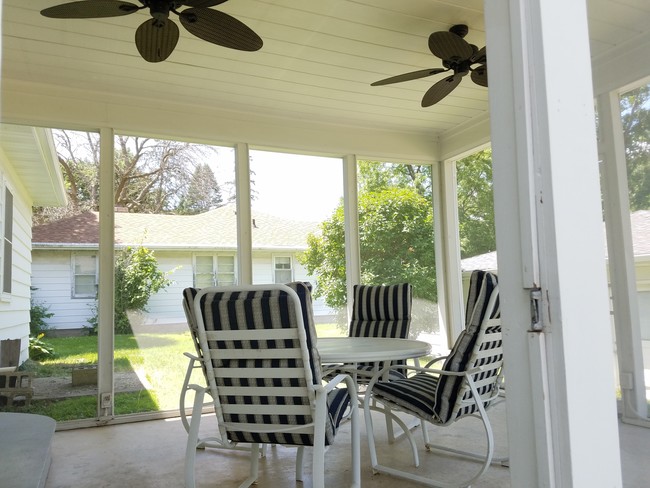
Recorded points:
(214, 229)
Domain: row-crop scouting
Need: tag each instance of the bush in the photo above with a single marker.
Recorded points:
(38, 312)
(39, 349)
(137, 277)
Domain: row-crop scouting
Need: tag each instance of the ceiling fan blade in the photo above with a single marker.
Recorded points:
(447, 45)
(413, 75)
(202, 3)
(90, 10)
(220, 28)
(480, 75)
(156, 40)
(479, 56)
(441, 89)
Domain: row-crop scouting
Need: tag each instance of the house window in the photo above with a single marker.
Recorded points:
(84, 277)
(214, 271)
(282, 268)
(7, 244)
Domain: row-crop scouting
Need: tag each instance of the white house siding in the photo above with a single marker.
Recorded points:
(52, 278)
(52, 282)
(14, 310)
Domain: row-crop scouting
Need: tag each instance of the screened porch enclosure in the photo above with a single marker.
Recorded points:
(309, 91)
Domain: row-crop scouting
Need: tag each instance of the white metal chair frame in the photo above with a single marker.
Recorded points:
(476, 379)
(317, 393)
(196, 362)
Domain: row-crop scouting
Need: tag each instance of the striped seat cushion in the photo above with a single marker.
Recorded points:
(435, 397)
(458, 359)
(266, 311)
(381, 311)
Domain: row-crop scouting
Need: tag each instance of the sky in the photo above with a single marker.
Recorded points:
(292, 186)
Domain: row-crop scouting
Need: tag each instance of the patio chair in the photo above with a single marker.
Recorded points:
(466, 385)
(377, 311)
(196, 361)
(264, 376)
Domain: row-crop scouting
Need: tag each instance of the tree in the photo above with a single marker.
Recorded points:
(396, 227)
(635, 116)
(475, 204)
(137, 277)
(150, 174)
(396, 235)
(203, 192)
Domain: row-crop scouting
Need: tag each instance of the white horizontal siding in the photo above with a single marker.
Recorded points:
(14, 310)
(52, 278)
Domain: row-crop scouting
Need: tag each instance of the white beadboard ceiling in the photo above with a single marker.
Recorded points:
(317, 62)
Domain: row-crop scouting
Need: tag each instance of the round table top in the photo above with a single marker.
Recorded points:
(369, 349)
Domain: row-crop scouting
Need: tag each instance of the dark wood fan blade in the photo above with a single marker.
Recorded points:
(90, 10)
(447, 45)
(156, 40)
(479, 57)
(413, 75)
(220, 28)
(202, 3)
(441, 89)
(480, 75)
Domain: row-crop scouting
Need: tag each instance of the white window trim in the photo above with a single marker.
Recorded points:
(215, 266)
(5, 296)
(73, 276)
(275, 269)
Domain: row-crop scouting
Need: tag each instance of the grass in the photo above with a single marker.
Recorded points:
(157, 358)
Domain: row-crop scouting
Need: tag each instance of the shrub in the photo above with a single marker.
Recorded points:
(38, 312)
(39, 349)
(137, 277)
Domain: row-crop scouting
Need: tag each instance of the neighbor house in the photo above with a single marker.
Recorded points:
(196, 250)
(308, 91)
(29, 175)
(640, 225)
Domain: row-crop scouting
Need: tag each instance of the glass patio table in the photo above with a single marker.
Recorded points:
(369, 349)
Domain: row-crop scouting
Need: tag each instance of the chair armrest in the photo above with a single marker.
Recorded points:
(191, 356)
(435, 360)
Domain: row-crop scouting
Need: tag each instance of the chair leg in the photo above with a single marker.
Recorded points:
(300, 456)
(254, 468)
(192, 439)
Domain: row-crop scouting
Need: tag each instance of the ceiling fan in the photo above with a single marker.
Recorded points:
(457, 55)
(156, 38)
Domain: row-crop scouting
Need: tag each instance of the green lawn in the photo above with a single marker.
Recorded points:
(157, 358)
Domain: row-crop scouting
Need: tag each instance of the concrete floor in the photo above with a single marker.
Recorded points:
(151, 454)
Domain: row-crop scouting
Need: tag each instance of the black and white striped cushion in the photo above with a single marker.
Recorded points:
(436, 397)
(266, 311)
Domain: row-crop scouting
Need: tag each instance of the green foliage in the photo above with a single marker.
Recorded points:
(38, 312)
(39, 349)
(137, 277)
(396, 239)
(635, 114)
(396, 227)
(475, 204)
(203, 192)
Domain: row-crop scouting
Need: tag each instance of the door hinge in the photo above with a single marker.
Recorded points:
(535, 308)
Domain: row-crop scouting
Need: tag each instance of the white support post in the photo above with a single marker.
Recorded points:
(351, 209)
(447, 247)
(627, 322)
(106, 292)
(244, 214)
(560, 385)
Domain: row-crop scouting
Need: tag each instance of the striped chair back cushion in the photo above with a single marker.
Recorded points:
(260, 368)
(381, 311)
(188, 308)
(483, 333)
